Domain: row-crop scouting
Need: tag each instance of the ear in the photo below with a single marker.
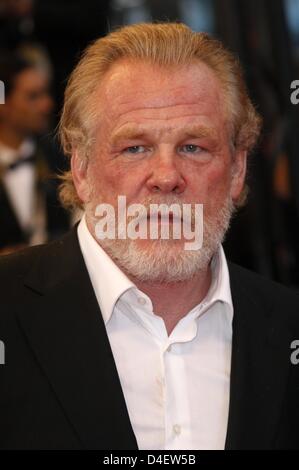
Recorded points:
(239, 167)
(79, 172)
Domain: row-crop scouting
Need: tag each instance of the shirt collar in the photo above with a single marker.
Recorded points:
(110, 282)
(220, 286)
(9, 155)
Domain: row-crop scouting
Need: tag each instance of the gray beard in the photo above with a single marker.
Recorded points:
(166, 261)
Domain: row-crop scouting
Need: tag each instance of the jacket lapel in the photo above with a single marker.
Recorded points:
(62, 321)
(259, 368)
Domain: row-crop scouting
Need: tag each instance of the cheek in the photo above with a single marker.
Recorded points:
(115, 179)
(110, 180)
(213, 184)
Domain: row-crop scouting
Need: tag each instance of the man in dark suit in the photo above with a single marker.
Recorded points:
(27, 195)
(115, 340)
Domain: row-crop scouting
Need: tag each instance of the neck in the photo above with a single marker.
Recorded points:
(10, 137)
(173, 301)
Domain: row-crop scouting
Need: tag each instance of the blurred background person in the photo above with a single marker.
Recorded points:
(63, 28)
(26, 199)
(54, 33)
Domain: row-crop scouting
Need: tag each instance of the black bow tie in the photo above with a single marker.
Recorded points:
(21, 161)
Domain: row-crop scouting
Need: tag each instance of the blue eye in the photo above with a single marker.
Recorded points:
(191, 148)
(135, 149)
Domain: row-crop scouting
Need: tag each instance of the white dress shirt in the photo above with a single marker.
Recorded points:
(176, 387)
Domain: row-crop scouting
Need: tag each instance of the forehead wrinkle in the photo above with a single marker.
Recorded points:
(119, 110)
(131, 131)
(162, 106)
(125, 107)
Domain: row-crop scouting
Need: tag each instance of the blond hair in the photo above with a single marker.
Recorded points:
(163, 44)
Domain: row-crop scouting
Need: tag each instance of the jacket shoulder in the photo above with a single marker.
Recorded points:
(271, 294)
(16, 265)
(261, 282)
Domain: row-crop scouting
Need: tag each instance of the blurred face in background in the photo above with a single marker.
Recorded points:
(28, 106)
(17, 8)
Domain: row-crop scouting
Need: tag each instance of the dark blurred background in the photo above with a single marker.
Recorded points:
(40, 42)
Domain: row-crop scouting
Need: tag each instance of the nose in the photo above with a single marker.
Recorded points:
(166, 176)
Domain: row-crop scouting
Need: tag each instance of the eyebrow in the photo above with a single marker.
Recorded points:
(193, 131)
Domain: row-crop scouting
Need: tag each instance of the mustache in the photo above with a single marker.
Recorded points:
(175, 214)
(167, 208)
(168, 211)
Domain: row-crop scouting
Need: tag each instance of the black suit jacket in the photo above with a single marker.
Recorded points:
(59, 387)
(57, 219)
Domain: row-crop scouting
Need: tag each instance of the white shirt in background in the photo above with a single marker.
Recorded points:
(20, 186)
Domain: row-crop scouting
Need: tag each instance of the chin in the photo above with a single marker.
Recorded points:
(158, 261)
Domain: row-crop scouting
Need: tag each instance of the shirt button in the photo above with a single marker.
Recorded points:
(177, 429)
(141, 301)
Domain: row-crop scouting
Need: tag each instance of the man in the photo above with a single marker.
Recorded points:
(139, 343)
(26, 198)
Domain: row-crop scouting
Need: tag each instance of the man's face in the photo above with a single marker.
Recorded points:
(163, 137)
(28, 106)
